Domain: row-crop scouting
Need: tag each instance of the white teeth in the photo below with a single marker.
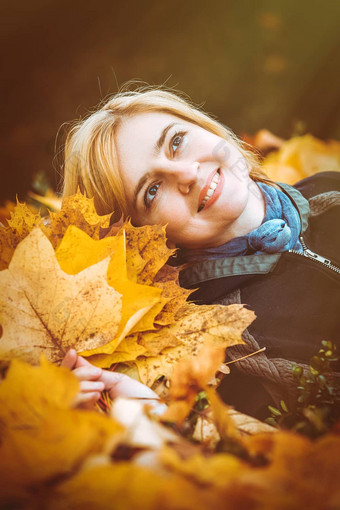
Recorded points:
(210, 192)
(212, 187)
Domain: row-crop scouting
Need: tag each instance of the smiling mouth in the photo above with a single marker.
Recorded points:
(209, 193)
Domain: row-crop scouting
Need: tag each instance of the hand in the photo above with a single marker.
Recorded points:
(94, 380)
(88, 376)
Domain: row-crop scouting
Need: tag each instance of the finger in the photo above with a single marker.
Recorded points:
(87, 400)
(70, 359)
(124, 386)
(87, 373)
(91, 386)
(82, 362)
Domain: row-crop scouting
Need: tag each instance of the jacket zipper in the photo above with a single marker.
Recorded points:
(314, 256)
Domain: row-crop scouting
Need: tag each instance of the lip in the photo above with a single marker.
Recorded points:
(216, 193)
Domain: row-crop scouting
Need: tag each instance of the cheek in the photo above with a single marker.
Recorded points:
(231, 158)
(177, 223)
(238, 166)
(175, 220)
(237, 180)
(171, 208)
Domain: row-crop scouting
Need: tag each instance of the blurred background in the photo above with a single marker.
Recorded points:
(271, 64)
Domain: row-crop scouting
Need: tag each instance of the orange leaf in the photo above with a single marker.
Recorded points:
(22, 221)
(76, 210)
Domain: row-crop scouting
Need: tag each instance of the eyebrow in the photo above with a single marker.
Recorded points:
(157, 148)
(161, 139)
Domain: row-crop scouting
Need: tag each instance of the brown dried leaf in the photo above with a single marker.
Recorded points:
(76, 210)
(155, 342)
(188, 378)
(174, 295)
(230, 423)
(146, 251)
(248, 425)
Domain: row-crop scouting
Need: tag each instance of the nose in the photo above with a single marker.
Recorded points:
(185, 174)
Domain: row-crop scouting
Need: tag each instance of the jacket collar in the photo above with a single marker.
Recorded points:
(300, 202)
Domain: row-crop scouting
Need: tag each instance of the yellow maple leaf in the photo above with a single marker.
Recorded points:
(129, 349)
(42, 437)
(77, 251)
(138, 299)
(22, 221)
(169, 299)
(155, 353)
(221, 326)
(76, 210)
(154, 342)
(43, 309)
(144, 260)
(173, 299)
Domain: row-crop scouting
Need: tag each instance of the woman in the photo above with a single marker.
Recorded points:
(151, 155)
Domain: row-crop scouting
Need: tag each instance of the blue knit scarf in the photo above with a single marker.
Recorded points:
(278, 232)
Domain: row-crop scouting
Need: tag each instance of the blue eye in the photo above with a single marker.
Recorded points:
(150, 194)
(176, 141)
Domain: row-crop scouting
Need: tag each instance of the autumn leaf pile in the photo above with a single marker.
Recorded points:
(112, 298)
(56, 457)
(72, 281)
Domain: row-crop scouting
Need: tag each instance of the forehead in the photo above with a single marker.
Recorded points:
(138, 134)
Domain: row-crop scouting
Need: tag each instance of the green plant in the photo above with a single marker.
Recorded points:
(317, 407)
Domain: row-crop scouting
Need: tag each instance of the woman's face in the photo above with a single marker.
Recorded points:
(176, 173)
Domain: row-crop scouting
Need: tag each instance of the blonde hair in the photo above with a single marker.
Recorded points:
(91, 162)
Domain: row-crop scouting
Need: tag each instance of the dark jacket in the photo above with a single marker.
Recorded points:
(296, 299)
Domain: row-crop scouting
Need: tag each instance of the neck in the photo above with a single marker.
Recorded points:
(252, 216)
